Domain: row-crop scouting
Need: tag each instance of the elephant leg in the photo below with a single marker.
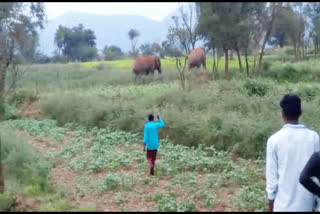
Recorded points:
(204, 64)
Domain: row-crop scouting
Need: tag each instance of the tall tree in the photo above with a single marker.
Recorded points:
(190, 19)
(76, 43)
(216, 22)
(313, 12)
(19, 22)
(272, 12)
(133, 35)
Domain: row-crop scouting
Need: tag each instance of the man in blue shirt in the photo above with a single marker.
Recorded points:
(151, 140)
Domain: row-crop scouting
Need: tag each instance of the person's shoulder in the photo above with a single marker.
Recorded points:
(273, 138)
(311, 132)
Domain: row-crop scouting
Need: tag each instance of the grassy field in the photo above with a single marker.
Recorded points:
(82, 123)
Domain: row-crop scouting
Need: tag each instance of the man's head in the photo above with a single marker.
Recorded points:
(291, 107)
(150, 117)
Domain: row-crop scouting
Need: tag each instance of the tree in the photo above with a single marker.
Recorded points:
(133, 35)
(76, 43)
(190, 20)
(179, 41)
(313, 11)
(18, 25)
(169, 49)
(271, 14)
(112, 53)
(215, 23)
(150, 49)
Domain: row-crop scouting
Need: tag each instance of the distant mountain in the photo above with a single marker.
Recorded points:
(109, 30)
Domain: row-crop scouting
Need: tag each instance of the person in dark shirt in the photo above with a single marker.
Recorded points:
(312, 169)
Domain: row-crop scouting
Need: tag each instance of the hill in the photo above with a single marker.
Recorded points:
(109, 30)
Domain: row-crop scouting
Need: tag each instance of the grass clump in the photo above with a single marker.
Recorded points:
(254, 87)
(6, 201)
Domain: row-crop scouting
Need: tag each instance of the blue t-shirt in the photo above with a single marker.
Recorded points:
(151, 136)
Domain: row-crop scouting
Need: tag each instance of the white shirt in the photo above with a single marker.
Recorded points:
(288, 151)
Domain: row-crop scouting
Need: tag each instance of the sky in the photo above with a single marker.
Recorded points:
(153, 10)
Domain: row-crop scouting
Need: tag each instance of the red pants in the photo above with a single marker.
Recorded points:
(151, 157)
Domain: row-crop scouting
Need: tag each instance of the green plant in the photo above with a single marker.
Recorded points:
(88, 208)
(187, 206)
(254, 87)
(167, 204)
(21, 96)
(252, 197)
(209, 199)
(308, 93)
(6, 201)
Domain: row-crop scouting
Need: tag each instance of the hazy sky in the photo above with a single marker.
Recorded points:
(154, 10)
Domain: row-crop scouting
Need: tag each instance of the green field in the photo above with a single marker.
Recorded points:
(81, 126)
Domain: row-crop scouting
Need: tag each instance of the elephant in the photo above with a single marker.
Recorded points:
(196, 58)
(146, 64)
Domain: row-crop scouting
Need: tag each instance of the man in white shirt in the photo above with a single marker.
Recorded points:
(288, 151)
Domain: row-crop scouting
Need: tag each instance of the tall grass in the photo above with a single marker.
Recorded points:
(238, 114)
(212, 115)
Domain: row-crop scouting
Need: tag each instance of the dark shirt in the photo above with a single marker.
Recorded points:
(311, 169)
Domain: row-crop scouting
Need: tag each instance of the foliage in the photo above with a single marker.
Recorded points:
(76, 43)
(167, 204)
(6, 202)
(100, 152)
(18, 35)
(112, 53)
(255, 88)
(133, 34)
(20, 97)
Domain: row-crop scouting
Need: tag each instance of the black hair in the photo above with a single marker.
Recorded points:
(291, 106)
(150, 117)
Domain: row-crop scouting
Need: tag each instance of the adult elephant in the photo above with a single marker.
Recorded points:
(196, 58)
(146, 64)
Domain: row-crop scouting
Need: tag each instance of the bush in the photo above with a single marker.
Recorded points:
(6, 201)
(7, 111)
(187, 206)
(22, 96)
(167, 204)
(289, 73)
(254, 87)
(74, 108)
(266, 65)
(22, 163)
(308, 93)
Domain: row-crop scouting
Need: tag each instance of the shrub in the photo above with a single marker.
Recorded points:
(112, 181)
(187, 206)
(308, 93)
(167, 204)
(22, 163)
(74, 108)
(289, 72)
(254, 87)
(6, 201)
(22, 96)
(266, 66)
